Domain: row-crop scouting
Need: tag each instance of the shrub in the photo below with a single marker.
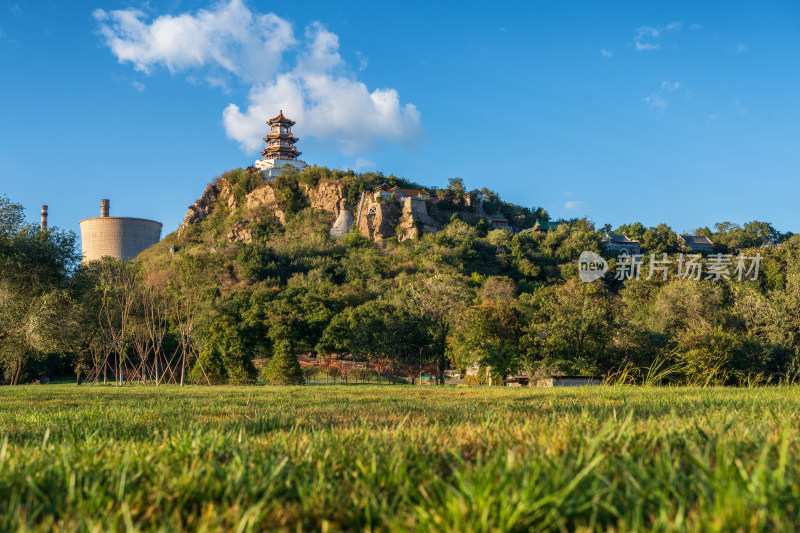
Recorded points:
(283, 368)
(209, 361)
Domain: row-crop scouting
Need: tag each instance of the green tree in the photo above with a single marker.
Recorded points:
(567, 327)
(283, 368)
(35, 268)
(438, 300)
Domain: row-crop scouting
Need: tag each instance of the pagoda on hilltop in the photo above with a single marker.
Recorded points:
(280, 150)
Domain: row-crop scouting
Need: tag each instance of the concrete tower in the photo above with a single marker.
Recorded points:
(117, 237)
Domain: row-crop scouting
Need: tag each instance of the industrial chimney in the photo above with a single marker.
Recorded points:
(44, 217)
(104, 206)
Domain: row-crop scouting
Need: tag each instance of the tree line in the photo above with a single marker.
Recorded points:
(469, 297)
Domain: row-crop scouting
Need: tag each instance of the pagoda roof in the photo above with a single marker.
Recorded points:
(697, 239)
(618, 238)
(280, 149)
(280, 119)
(545, 225)
(286, 136)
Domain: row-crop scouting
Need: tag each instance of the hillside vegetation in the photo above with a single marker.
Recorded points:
(254, 265)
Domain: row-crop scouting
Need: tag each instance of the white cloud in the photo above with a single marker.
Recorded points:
(670, 85)
(139, 86)
(362, 61)
(572, 204)
(695, 27)
(647, 36)
(741, 47)
(646, 32)
(656, 102)
(214, 81)
(227, 36)
(228, 43)
(606, 53)
(325, 104)
(647, 46)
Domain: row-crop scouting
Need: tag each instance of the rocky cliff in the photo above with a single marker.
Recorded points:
(262, 202)
(377, 220)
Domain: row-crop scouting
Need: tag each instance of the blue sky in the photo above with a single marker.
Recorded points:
(678, 112)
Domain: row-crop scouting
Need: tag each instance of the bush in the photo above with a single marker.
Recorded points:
(283, 368)
(209, 360)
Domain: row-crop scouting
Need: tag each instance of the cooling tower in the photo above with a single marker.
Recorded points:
(117, 237)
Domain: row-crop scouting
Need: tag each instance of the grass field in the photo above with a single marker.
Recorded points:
(399, 458)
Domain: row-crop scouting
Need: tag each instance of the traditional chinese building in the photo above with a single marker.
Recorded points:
(498, 221)
(621, 243)
(696, 243)
(385, 191)
(280, 150)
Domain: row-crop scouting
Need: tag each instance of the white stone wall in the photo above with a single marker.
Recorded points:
(272, 167)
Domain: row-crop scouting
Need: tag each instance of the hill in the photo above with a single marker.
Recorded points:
(423, 282)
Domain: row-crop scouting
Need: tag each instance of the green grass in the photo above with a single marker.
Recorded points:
(399, 458)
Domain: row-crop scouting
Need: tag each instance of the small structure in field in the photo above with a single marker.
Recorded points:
(569, 381)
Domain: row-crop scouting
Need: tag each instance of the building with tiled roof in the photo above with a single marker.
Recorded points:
(696, 243)
(498, 221)
(383, 191)
(618, 242)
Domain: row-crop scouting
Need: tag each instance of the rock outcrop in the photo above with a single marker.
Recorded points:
(415, 220)
(201, 208)
(331, 196)
(328, 195)
(378, 221)
(240, 232)
(262, 198)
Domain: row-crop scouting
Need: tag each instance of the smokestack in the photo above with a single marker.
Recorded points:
(104, 206)
(44, 217)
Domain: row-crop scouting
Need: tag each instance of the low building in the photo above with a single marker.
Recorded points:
(386, 192)
(617, 242)
(569, 381)
(543, 226)
(696, 243)
(498, 221)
